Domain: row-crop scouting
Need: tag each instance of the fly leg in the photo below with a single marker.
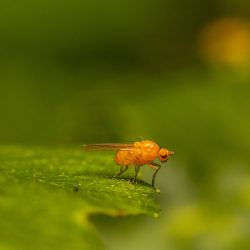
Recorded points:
(157, 167)
(122, 170)
(137, 168)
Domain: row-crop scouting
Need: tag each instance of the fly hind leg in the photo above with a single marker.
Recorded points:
(122, 170)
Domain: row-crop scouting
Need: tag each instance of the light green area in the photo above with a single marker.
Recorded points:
(47, 196)
(190, 219)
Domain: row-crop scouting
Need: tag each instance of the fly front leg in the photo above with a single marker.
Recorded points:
(157, 167)
(122, 170)
(137, 168)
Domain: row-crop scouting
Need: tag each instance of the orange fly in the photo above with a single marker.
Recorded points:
(137, 154)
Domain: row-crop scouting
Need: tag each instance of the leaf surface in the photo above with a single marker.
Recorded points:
(47, 196)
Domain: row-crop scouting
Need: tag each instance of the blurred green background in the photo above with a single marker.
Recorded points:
(176, 72)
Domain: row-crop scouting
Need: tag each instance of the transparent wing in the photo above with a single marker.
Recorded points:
(108, 147)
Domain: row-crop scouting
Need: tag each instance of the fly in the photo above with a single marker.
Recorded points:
(137, 154)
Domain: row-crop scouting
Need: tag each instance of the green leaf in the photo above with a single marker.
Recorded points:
(47, 196)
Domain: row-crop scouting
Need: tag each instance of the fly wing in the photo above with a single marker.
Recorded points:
(108, 147)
